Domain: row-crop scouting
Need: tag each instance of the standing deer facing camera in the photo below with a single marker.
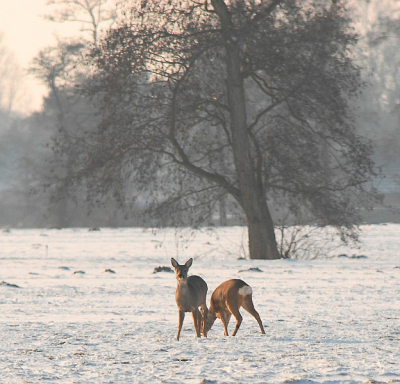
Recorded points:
(190, 294)
(226, 301)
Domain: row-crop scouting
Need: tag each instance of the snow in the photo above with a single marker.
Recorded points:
(72, 320)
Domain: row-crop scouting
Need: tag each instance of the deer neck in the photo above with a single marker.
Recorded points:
(183, 296)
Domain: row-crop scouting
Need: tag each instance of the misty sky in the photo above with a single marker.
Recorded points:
(24, 32)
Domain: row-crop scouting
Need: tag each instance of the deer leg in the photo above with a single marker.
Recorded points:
(199, 321)
(196, 321)
(238, 317)
(181, 317)
(249, 307)
(225, 321)
(227, 318)
(204, 314)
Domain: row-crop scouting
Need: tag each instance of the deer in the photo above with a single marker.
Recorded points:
(226, 300)
(190, 294)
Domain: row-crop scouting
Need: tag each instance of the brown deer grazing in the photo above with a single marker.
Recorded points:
(226, 301)
(190, 294)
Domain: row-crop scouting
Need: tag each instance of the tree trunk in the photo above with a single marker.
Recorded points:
(262, 241)
(223, 221)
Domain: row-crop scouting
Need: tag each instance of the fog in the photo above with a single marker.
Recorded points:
(30, 168)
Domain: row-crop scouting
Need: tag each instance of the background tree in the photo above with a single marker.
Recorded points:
(12, 130)
(65, 112)
(267, 84)
(378, 23)
(379, 28)
(89, 13)
(58, 67)
(10, 80)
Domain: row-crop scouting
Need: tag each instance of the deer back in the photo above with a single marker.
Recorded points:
(230, 293)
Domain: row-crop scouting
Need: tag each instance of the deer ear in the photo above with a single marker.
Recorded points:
(174, 262)
(189, 263)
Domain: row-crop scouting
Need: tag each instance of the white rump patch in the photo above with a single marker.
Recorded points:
(245, 290)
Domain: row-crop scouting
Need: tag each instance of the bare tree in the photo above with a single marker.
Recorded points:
(267, 84)
(89, 13)
(10, 79)
(65, 111)
(379, 29)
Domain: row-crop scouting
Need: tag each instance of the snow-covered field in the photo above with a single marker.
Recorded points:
(72, 320)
